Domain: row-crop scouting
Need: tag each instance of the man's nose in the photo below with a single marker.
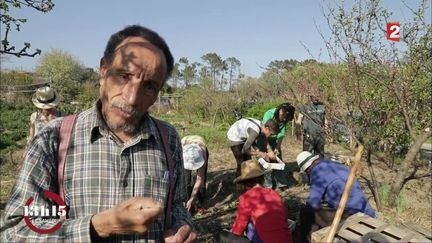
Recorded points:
(131, 93)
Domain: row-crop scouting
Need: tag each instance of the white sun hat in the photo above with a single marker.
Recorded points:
(193, 156)
(305, 159)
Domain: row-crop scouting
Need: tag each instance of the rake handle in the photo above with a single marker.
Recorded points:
(345, 194)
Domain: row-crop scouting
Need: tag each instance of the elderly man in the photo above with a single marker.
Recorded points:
(327, 183)
(116, 177)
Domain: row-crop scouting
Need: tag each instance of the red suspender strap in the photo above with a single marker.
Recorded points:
(65, 133)
(163, 132)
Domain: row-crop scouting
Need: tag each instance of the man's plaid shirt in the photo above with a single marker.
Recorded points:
(100, 172)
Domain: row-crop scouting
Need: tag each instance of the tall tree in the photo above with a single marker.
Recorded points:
(188, 71)
(216, 66)
(176, 75)
(12, 23)
(233, 65)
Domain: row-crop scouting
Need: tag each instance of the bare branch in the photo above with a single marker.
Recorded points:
(8, 20)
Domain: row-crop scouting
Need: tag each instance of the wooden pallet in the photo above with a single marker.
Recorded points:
(362, 228)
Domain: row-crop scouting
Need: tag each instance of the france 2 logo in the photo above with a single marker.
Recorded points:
(393, 31)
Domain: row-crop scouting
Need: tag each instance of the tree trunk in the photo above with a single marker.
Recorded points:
(407, 164)
(373, 184)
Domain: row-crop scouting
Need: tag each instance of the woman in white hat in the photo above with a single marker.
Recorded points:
(45, 99)
(261, 211)
(195, 159)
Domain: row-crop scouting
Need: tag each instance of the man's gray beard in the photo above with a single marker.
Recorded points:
(130, 128)
(127, 128)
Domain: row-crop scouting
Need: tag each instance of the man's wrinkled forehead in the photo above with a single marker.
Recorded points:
(137, 42)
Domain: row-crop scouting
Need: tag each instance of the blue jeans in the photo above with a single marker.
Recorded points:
(251, 234)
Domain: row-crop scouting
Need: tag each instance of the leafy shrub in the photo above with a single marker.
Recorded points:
(257, 111)
(14, 121)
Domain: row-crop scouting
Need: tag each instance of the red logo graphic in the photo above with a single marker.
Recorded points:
(41, 211)
(393, 31)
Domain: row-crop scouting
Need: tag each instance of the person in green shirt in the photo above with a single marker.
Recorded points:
(282, 115)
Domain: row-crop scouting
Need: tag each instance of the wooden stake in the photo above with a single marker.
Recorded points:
(345, 194)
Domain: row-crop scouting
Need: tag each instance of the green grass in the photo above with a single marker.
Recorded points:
(214, 136)
(384, 193)
(400, 203)
(8, 174)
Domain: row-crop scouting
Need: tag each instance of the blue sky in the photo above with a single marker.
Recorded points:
(254, 31)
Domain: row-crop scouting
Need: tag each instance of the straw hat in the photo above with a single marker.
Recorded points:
(45, 98)
(249, 169)
(193, 157)
(194, 139)
(305, 159)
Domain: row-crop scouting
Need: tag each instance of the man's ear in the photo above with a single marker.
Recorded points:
(103, 69)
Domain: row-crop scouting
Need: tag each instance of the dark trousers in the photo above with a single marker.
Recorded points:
(314, 144)
(310, 220)
(228, 237)
(276, 178)
(239, 157)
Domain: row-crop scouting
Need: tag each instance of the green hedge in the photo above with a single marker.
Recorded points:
(14, 122)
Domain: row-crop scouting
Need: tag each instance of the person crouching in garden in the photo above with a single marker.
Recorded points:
(282, 115)
(327, 184)
(195, 157)
(244, 134)
(261, 211)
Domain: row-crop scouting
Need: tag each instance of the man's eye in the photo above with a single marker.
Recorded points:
(125, 76)
(149, 87)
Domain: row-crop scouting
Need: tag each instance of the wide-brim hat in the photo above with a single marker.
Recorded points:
(305, 159)
(194, 139)
(193, 156)
(45, 98)
(249, 169)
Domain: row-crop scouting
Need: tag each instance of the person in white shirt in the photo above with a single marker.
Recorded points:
(242, 138)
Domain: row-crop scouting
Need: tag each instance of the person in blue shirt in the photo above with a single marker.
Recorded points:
(327, 183)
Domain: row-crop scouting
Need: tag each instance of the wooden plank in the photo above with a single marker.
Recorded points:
(376, 233)
(360, 228)
(373, 222)
(411, 237)
(382, 238)
(349, 235)
(354, 220)
(419, 240)
(395, 232)
(424, 232)
(320, 235)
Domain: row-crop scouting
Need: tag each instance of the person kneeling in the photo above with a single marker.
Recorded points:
(261, 211)
(327, 184)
